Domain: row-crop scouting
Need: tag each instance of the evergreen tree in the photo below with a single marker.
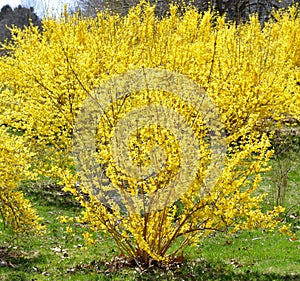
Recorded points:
(19, 16)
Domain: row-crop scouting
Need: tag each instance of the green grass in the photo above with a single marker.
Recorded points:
(264, 253)
(60, 255)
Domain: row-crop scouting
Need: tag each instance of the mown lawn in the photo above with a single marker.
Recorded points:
(61, 254)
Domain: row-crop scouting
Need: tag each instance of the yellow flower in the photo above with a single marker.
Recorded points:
(285, 229)
(88, 238)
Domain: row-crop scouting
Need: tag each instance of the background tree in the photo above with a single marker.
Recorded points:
(19, 17)
(90, 7)
(237, 10)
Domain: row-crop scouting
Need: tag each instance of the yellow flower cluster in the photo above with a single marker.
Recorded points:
(16, 211)
(88, 238)
(251, 74)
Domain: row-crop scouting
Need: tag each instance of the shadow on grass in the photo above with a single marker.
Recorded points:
(200, 270)
(16, 265)
(206, 271)
(50, 194)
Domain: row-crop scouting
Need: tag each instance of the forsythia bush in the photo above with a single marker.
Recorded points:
(16, 211)
(251, 74)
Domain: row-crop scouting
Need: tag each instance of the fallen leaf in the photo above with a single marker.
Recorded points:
(35, 269)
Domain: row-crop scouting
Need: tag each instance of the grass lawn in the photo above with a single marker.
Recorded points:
(61, 254)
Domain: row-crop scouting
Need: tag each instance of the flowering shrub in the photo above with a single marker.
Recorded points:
(249, 73)
(16, 211)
